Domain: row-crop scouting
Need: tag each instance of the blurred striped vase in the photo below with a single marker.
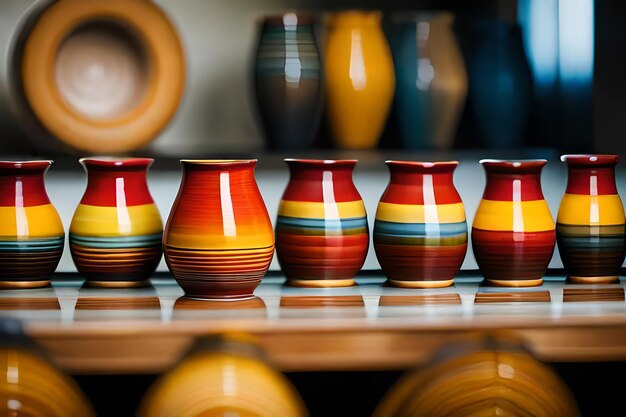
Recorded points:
(288, 81)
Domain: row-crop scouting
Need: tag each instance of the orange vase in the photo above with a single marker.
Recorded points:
(219, 240)
(360, 78)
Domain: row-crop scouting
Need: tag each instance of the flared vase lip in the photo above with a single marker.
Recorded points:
(287, 19)
(26, 164)
(590, 159)
(115, 162)
(218, 163)
(321, 162)
(345, 17)
(514, 163)
(422, 164)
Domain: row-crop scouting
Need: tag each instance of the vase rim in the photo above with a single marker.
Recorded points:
(28, 164)
(111, 161)
(322, 162)
(219, 162)
(421, 164)
(279, 19)
(346, 16)
(514, 163)
(590, 159)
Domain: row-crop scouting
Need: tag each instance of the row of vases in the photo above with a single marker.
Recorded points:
(359, 76)
(219, 239)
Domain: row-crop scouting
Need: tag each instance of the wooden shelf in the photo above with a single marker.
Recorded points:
(367, 327)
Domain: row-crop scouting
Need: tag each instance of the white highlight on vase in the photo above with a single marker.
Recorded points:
(431, 216)
(123, 217)
(357, 62)
(21, 221)
(228, 213)
(594, 208)
(331, 211)
(518, 213)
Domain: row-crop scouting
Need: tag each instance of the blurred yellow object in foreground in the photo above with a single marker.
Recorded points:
(486, 380)
(223, 376)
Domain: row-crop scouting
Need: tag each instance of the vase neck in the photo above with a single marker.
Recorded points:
(321, 183)
(23, 186)
(591, 180)
(421, 184)
(116, 186)
(515, 186)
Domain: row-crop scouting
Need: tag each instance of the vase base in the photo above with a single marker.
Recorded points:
(514, 282)
(118, 284)
(611, 279)
(422, 284)
(321, 283)
(8, 285)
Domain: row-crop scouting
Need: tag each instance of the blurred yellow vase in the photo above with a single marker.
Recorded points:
(223, 377)
(360, 78)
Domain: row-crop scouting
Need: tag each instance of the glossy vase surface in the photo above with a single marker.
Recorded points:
(288, 81)
(359, 78)
(116, 232)
(420, 233)
(322, 235)
(31, 232)
(513, 234)
(220, 377)
(484, 378)
(431, 80)
(500, 81)
(219, 240)
(590, 222)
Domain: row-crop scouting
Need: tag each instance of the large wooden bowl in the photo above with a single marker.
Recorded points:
(102, 76)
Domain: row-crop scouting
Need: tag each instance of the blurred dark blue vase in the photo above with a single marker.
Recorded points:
(431, 80)
(500, 81)
(288, 82)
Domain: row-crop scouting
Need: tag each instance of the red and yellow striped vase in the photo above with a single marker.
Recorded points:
(322, 236)
(116, 231)
(590, 223)
(31, 232)
(219, 240)
(420, 233)
(513, 234)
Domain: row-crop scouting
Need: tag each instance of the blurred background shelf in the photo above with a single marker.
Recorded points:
(367, 327)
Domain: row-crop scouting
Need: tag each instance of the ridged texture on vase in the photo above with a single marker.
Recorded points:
(223, 378)
(31, 386)
(116, 232)
(359, 78)
(288, 81)
(480, 379)
(431, 81)
(420, 233)
(590, 223)
(31, 232)
(322, 235)
(513, 234)
(219, 240)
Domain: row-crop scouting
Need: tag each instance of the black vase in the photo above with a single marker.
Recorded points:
(288, 82)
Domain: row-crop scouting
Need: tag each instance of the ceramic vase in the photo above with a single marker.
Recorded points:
(219, 240)
(359, 78)
(288, 81)
(492, 377)
(31, 232)
(590, 222)
(322, 236)
(431, 80)
(29, 384)
(224, 376)
(420, 233)
(513, 234)
(116, 231)
(500, 81)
